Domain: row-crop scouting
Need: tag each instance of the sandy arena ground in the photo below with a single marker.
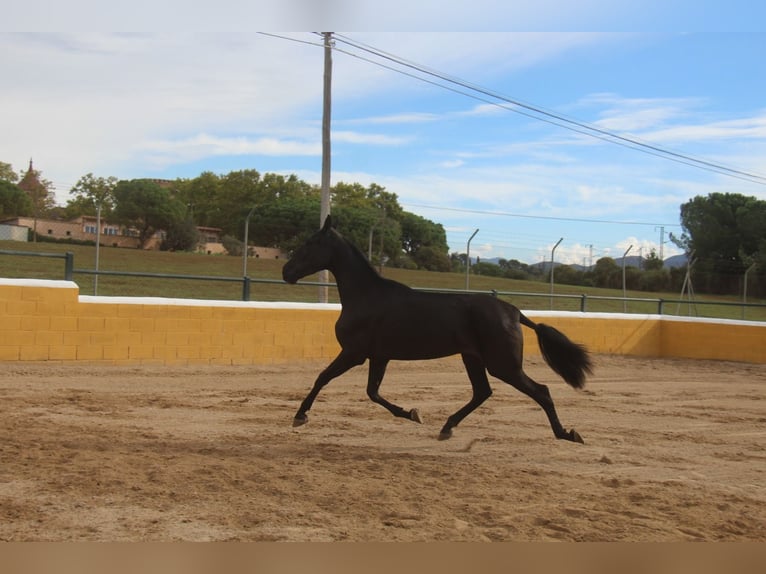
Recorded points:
(675, 450)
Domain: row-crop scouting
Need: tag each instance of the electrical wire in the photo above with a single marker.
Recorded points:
(547, 217)
(535, 112)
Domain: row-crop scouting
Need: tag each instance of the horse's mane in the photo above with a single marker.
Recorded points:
(356, 252)
(365, 263)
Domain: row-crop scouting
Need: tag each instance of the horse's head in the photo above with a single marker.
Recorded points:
(314, 255)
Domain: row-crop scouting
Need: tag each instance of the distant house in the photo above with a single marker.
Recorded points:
(266, 253)
(85, 227)
(210, 240)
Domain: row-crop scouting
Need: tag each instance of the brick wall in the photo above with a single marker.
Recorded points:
(50, 321)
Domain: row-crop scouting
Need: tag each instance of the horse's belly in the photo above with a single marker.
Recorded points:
(419, 342)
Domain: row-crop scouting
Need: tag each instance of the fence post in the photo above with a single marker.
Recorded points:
(659, 307)
(68, 266)
(583, 302)
(246, 288)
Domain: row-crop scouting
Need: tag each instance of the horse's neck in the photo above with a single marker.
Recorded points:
(354, 275)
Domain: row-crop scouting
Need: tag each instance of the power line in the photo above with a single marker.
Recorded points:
(297, 40)
(525, 216)
(548, 116)
(553, 118)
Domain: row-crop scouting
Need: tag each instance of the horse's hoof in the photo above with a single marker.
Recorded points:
(415, 416)
(300, 421)
(574, 436)
(445, 434)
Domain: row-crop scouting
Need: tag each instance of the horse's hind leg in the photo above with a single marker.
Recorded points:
(340, 365)
(374, 379)
(481, 392)
(542, 397)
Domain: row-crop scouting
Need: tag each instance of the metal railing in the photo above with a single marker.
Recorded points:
(581, 301)
(578, 302)
(68, 258)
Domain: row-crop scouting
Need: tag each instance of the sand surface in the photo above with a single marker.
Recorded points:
(675, 450)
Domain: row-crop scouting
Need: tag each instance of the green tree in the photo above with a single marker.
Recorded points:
(606, 273)
(13, 201)
(286, 212)
(238, 192)
(285, 223)
(486, 269)
(364, 227)
(432, 259)
(181, 235)
(725, 232)
(375, 197)
(7, 173)
(145, 206)
(655, 280)
(568, 275)
(653, 262)
(88, 193)
(370, 213)
(514, 269)
(200, 195)
(425, 242)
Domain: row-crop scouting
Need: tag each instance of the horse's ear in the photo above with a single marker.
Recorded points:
(327, 224)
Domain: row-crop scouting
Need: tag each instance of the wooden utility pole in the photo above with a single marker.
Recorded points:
(324, 209)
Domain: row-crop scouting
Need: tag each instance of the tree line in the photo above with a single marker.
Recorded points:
(723, 234)
(283, 212)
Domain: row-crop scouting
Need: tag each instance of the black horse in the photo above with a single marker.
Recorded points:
(382, 320)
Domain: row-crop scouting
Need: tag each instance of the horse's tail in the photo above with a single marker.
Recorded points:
(570, 360)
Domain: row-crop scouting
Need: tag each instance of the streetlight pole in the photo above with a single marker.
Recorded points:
(552, 252)
(624, 302)
(744, 288)
(468, 258)
(247, 238)
(98, 245)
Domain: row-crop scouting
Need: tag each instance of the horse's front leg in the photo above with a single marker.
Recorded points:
(342, 363)
(374, 379)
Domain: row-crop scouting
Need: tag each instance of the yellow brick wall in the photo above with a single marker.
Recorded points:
(602, 333)
(730, 340)
(49, 321)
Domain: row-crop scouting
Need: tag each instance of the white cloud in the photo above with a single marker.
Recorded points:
(622, 114)
(204, 145)
(750, 128)
(402, 118)
(481, 110)
(367, 138)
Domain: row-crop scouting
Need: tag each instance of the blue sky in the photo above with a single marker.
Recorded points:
(175, 104)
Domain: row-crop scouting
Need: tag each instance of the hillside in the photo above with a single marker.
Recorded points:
(631, 261)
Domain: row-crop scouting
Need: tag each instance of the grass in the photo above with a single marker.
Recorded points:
(526, 294)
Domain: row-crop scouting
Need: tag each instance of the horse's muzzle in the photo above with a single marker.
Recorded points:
(288, 276)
